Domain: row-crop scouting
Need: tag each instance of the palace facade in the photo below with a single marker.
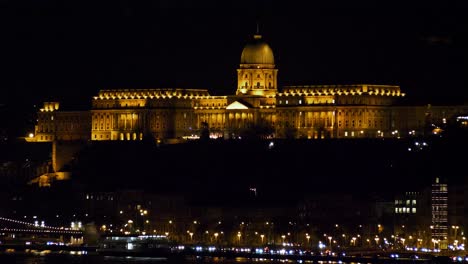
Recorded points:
(258, 106)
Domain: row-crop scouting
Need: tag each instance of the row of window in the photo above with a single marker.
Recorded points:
(46, 137)
(126, 105)
(280, 102)
(62, 126)
(405, 210)
(353, 123)
(359, 113)
(101, 136)
(62, 118)
(212, 104)
(258, 76)
(407, 202)
(258, 85)
(99, 197)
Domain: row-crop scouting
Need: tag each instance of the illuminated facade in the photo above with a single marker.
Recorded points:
(439, 213)
(311, 111)
(412, 217)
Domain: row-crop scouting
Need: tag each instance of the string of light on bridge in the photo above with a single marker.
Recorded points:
(35, 225)
(41, 231)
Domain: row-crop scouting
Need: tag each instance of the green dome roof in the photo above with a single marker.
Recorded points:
(257, 52)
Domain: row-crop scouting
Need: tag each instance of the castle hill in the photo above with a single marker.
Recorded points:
(330, 169)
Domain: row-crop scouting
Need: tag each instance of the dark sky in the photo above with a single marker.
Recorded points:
(68, 50)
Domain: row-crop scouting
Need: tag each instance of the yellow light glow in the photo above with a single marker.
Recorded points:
(236, 106)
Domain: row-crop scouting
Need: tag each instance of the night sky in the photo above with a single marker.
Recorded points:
(69, 50)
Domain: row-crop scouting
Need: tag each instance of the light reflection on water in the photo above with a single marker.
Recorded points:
(94, 259)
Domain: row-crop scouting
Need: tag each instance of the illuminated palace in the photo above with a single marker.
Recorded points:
(311, 111)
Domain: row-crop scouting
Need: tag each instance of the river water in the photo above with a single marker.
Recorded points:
(95, 259)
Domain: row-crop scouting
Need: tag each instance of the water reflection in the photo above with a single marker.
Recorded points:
(94, 259)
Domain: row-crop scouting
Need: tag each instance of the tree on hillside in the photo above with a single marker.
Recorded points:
(205, 131)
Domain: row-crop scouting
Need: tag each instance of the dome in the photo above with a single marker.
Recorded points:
(257, 52)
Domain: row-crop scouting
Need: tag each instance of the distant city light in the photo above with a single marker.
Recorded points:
(271, 145)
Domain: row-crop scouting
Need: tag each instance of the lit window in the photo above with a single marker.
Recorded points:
(413, 210)
(396, 210)
(407, 202)
(286, 101)
(346, 133)
(300, 101)
(414, 202)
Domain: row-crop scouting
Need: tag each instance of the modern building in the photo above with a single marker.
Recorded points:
(412, 218)
(257, 105)
(439, 198)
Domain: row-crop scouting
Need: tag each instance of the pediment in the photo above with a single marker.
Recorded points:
(236, 105)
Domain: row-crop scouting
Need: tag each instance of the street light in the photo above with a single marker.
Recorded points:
(455, 232)
(239, 237)
(262, 236)
(330, 239)
(354, 241)
(283, 237)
